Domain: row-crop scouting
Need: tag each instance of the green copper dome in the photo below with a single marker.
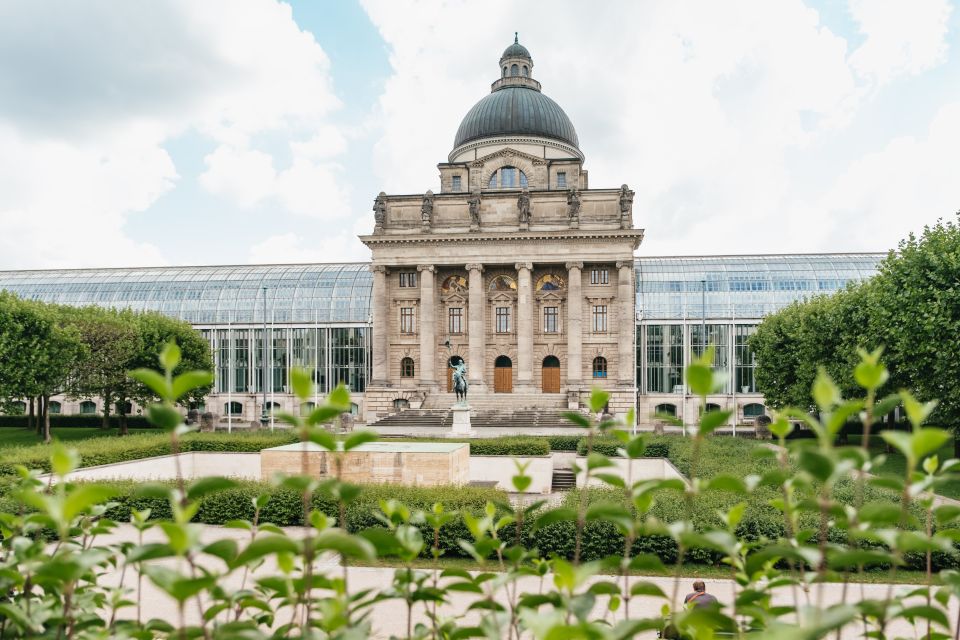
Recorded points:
(516, 50)
(516, 111)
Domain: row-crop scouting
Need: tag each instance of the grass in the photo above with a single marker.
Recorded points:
(895, 464)
(20, 437)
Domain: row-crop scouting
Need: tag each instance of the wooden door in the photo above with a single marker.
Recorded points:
(551, 379)
(503, 379)
(449, 380)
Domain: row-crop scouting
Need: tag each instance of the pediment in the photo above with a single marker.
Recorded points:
(507, 152)
(501, 296)
(455, 298)
(550, 296)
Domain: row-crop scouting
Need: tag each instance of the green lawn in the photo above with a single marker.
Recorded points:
(895, 464)
(20, 437)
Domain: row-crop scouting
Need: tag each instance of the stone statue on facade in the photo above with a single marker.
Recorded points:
(523, 206)
(379, 212)
(426, 211)
(460, 384)
(474, 203)
(626, 207)
(573, 208)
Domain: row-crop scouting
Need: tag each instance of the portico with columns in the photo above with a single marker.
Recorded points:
(523, 268)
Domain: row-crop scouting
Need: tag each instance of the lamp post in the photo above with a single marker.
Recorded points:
(264, 418)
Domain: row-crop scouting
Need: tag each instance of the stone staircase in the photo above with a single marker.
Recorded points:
(483, 401)
(519, 419)
(563, 480)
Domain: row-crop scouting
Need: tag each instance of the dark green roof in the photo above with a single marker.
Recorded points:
(516, 50)
(516, 111)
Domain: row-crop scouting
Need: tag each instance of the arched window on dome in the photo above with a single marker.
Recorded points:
(504, 72)
(508, 178)
(526, 72)
(514, 70)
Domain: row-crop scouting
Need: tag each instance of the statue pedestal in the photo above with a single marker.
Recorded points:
(461, 420)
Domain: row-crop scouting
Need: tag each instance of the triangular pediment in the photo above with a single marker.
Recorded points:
(549, 296)
(454, 298)
(507, 152)
(501, 297)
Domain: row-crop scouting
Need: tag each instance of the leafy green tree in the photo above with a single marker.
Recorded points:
(112, 340)
(156, 331)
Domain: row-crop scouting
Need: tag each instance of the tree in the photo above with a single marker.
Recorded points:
(916, 312)
(155, 331)
(112, 339)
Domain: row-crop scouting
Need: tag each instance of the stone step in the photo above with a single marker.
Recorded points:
(519, 419)
(563, 480)
(487, 400)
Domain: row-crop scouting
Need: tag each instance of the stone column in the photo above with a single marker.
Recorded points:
(524, 327)
(381, 328)
(574, 326)
(428, 326)
(476, 327)
(625, 294)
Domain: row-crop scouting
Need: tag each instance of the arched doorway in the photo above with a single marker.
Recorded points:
(502, 375)
(551, 374)
(452, 362)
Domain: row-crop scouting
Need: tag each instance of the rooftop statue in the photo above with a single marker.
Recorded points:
(379, 211)
(426, 210)
(626, 207)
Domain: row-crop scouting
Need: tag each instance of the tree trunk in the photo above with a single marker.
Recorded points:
(123, 417)
(38, 422)
(30, 415)
(46, 419)
(106, 411)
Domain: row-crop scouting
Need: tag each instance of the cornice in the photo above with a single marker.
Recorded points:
(577, 235)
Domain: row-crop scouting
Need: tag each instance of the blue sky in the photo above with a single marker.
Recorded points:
(260, 131)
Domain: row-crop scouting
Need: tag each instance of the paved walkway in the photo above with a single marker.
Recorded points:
(389, 617)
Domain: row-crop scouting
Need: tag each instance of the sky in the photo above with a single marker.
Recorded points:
(185, 132)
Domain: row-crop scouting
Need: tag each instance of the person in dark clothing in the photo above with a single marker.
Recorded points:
(699, 597)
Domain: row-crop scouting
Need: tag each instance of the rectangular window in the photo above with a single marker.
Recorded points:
(550, 319)
(508, 177)
(457, 186)
(599, 318)
(561, 179)
(408, 278)
(745, 359)
(664, 358)
(455, 316)
(407, 324)
(599, 276)
(503, 319)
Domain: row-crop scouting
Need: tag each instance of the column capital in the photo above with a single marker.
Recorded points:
(523, 265)
(378, 268)
(574, 265)
(475, 266)
(623, 263)
(426, 267)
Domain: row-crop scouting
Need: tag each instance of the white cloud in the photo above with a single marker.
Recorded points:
(93, 92)
(715, 113)
(312, 247)
(901, 37)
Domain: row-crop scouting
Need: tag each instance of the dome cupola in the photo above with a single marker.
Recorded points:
(517, 107)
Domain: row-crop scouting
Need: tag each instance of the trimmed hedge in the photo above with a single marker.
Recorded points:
(608, 446)
(509, 446)
(87, 420)
(110, 449)
(563, 443)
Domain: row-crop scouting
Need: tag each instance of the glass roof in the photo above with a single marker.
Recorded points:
(747, 287)
(717, 287)
(320, 293)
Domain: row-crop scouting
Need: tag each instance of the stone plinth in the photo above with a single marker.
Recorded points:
(408, 463)
(461, 420)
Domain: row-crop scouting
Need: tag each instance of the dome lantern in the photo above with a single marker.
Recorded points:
(516, 60)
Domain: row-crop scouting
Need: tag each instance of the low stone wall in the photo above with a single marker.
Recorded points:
(501, 469)
(642, 469)
(194, 464)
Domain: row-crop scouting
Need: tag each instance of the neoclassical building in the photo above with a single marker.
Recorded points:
(516, 263)
(527, 272)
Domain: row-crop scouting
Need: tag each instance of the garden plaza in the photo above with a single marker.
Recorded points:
(515, 265)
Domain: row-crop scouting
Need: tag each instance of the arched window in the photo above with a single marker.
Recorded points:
(233, 408)
(401, 403)
(551, 362)
(753, 410)
(666, 409)
(55, 407)
(123, 407)
(504, 72)
(272, 407)
(503, 362)
(712, 406)
(549, 282)
(88, 407)
(526, 72)
(503, 283)
(599, 367)
(508, 178)
(514, 69)
(406, 368)
(354, 409)
(454, 284)
(306, 408)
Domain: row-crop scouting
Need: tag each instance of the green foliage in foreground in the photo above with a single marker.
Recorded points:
(785, 522)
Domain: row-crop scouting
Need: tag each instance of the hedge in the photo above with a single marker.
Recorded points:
(563, 443)
(87, 420)
(509, 446)
(107, 450)
(609, 446)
